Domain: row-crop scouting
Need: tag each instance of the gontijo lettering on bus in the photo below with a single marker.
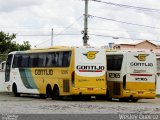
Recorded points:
(141, 64)
(43, 72)
(86, 68)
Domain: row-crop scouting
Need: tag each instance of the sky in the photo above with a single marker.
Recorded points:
(33, 20)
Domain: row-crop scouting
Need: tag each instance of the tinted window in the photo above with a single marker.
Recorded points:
(41, 60)
(15, 61)
(33, 61)
(114, 62)
(50, 59)
(54, 59)
(25, 61)
(59, 57)
(66, 59)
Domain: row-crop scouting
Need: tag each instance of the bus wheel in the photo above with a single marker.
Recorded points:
(14, 89)
(55, 95)
(49, 91)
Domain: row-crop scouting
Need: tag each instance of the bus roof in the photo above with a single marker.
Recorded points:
(50, 49)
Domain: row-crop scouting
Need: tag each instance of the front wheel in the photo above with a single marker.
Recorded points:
(15, 92)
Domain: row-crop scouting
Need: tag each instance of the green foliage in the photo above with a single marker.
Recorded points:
(7, 45)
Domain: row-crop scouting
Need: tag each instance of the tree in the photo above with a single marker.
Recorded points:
(25, 46)
(7, 45)
(6, 41)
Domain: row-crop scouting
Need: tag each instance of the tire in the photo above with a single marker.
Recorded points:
(15, 92)
(55, 95)
(49, 92)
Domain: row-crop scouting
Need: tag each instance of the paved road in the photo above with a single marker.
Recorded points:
(34, 107)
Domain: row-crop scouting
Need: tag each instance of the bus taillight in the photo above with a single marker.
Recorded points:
(73, 77)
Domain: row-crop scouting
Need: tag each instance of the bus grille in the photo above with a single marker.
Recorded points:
(65, 85)
(116, 89)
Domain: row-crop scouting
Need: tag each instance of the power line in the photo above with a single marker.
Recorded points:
(129, 6)
(117, 37)
(63, 30)
(123, 22)
(128, 31)
(44, 35)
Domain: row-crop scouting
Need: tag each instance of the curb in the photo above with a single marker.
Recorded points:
(6, 93)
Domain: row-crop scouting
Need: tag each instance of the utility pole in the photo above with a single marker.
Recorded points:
(85, 37)
(52, 38)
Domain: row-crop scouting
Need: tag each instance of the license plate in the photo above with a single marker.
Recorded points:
(140, 92)
(90, 89)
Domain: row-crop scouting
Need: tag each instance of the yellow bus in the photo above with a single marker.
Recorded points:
(131, 75)
(57, 71)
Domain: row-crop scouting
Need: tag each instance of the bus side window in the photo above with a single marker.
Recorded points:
(25, 60)
(41, 60)
(66, 59)
(50, 60)
(56, 59)
(59, 61)
(33, 61)
(15, 61)
(19, 61)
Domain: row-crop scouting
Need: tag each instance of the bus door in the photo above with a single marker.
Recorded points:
(8, 68)
(114, 73)
(141, 68)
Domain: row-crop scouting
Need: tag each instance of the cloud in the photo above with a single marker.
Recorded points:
(11, 5)
(35, 17)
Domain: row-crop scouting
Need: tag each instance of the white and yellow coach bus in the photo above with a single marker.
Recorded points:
(131, 75)
(56, 72)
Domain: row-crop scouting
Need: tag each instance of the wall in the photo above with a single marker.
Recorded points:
(2, 78)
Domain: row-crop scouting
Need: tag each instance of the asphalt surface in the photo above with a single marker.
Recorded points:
(33, 108)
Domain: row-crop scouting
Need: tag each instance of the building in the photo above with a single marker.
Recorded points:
(141, 45)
